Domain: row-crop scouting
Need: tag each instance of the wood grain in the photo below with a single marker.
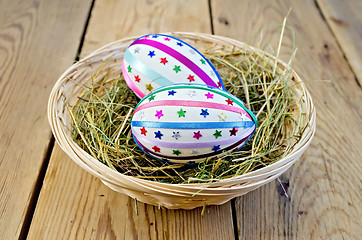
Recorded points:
(38, 39)
(75, 205)
(79, 206)
(324, 186)
(141, 17)
(345, 19)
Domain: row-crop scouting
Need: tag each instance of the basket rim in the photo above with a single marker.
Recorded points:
(283, 163)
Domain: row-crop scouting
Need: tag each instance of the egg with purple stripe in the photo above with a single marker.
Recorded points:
(157, 60)
(187, 123)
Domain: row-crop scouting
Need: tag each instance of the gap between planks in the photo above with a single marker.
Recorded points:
(44, 167)
(324, 18)
(35, 194)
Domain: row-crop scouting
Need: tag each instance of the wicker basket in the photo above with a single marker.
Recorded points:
(173, 196)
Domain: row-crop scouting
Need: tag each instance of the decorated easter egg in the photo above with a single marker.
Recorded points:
(159, 60)
(187, 123)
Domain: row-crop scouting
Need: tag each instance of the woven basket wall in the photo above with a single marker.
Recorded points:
(173, 196)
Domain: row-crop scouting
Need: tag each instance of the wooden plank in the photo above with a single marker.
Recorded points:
(38, 39)
(75, 205)
(324, 187)
(345, 19)
(142, 17)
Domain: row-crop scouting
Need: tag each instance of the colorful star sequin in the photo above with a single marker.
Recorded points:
(217, 134)
(158, 134)
(216, 148)
(152, 97)
(197, 135)
(192, 93)
(229, 102)
(137, 50)
(209, 95)
(156, 149)
(171, 93)
(204, 112)
(233, 131)
(142, 115)
(191, 78)
(176, 152)
(149, 87)
(222, 117)
(159, 114)
(195, 151)
(177, 69)
(143, 131)
(181, 113)
(244, 117)
(163, 60)
(176, 135)
(151, 54)
(129, 68)
(137, 78)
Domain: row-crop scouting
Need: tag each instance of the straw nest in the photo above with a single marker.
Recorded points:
(90, 107)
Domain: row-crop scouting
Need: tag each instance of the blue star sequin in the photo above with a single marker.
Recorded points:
(204, 113)
(171, 93)
(179, 44)
(216, 148)
(158, 134)
(154, 36)
(151, 54)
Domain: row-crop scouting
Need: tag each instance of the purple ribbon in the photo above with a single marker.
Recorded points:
(196, 156)
(181, 58)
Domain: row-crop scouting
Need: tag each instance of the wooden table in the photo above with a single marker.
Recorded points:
(44, 195)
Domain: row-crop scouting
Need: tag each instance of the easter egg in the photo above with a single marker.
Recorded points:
(159, 60)
(187, 123)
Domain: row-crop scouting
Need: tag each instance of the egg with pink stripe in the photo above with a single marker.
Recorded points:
(187, 123)
(157, 60)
